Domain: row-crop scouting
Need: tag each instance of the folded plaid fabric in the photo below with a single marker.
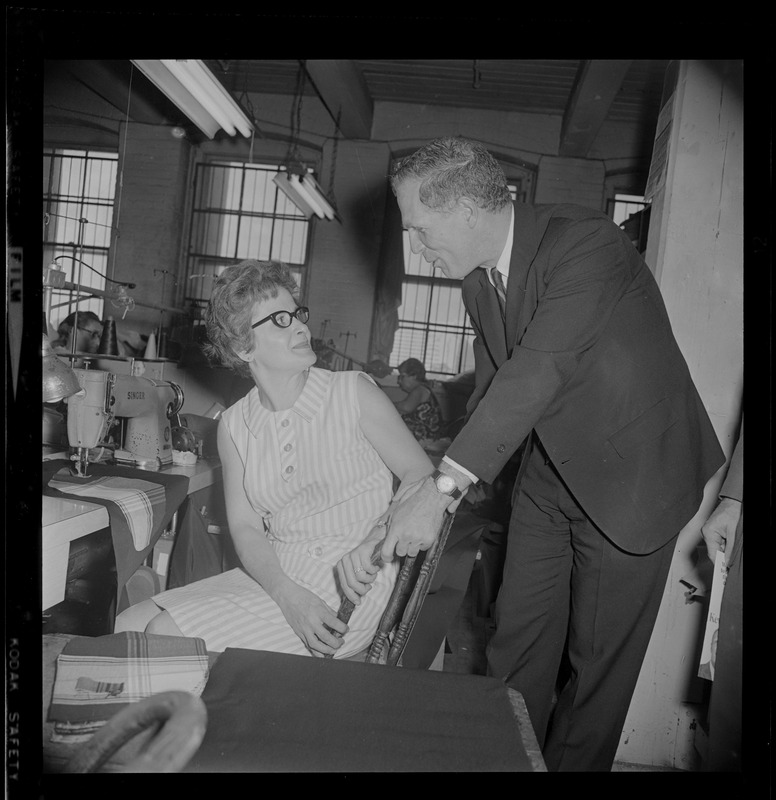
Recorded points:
(141, 502)
(125, 541)
(98, 676)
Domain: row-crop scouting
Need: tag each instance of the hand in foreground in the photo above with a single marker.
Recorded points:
(719, 532)
(416, 520)
(356, 570)
(309, 616)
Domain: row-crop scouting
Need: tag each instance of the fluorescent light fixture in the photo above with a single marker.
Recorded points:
(314, 190)
(289, 185)
(305, 194)
(198, 94)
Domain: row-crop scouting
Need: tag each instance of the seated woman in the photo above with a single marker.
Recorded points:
(307, 458)
(419, 409)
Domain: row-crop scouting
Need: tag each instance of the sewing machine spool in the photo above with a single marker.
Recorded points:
(109, 345)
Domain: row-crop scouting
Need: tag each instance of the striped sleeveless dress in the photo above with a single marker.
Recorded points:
(319, 486)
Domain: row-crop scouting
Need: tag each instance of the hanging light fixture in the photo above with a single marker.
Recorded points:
(198, 94)
(294, 179)
(304, 192)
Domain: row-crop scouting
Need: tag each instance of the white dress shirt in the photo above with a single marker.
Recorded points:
(503, 267)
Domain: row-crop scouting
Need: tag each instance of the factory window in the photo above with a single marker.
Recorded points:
(623, 206)
(433, 323)
(631, 213)
(79, 187)
(238, 213)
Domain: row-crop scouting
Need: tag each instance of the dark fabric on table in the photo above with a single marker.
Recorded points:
(127, 558)
(275, 712)
(198, 553)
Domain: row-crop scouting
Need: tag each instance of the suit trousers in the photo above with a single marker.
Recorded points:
(567, 588)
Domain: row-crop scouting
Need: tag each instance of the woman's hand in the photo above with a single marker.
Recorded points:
(310, 619)
(356, 572)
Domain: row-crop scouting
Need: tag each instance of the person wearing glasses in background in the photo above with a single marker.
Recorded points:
(89, 333)
(308, 458)
(419, 409)
(90, 328)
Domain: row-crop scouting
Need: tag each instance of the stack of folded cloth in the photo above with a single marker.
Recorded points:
(98, 676)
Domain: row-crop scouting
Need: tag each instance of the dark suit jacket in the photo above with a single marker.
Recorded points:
(589, 361)
(733, 487)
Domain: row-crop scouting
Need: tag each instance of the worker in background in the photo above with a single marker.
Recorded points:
(88, 330)
(420, 408)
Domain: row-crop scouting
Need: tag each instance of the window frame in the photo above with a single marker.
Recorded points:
(86, 263)
(282, 211)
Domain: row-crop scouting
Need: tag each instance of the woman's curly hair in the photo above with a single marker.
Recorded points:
(228, 316)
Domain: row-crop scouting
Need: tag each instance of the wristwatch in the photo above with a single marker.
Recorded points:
(446, 485)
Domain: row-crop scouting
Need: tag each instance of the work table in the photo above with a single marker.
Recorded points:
(64, 520)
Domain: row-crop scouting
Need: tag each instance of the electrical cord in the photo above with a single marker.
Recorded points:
(97, 272)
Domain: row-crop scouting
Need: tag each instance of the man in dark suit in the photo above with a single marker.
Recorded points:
(582, 364)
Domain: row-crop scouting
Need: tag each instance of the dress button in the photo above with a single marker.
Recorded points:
(318, 551)
(287, 447)
(289, 470)
(285, 423)
(501, 448)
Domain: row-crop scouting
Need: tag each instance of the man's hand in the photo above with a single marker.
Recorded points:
(719, 532)
(417, 517)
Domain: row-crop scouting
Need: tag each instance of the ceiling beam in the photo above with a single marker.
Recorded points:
(596, 85)
(342, 88)
(112, 84)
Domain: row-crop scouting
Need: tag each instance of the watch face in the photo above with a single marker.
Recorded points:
(446, 484)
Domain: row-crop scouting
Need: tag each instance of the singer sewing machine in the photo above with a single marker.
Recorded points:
(143, 408)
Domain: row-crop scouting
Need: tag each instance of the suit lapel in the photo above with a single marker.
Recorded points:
(489, 318)
(525, 243)
(499, 337)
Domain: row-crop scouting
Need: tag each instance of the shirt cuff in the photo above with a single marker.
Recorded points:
(472, 478)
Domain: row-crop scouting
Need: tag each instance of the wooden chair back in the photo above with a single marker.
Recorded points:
(406, 600)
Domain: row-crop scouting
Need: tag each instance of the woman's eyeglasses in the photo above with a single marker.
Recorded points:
(283, 318)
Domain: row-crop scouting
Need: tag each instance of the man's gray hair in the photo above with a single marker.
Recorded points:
(453, 167)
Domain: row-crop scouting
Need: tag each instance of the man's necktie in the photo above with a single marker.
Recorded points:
(501, 290)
